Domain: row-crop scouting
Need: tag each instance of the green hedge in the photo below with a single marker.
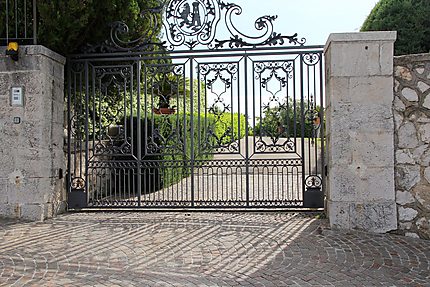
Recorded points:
(228, 127)
(175, 137)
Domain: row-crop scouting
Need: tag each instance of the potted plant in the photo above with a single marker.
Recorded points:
(165, 88)
(164, 105)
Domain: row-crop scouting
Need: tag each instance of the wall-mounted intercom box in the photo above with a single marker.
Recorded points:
(17, 96)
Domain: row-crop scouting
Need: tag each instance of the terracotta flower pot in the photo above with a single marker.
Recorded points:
(164, 111)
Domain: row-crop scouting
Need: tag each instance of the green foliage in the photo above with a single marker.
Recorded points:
(178, 142)
(228, 127)
(67, 25)
(410, 18)
(175, 90)
(278, 122)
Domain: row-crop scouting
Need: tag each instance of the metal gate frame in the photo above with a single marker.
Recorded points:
(119, 109)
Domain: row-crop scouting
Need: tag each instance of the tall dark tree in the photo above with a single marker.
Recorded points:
(410, 18)
(65, 26)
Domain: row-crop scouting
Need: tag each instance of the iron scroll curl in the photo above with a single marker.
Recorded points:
(193, 24)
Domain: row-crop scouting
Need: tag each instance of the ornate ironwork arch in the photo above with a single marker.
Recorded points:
(194, 23)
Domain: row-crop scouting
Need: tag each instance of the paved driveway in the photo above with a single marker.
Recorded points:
(204, 249)
(267, 182)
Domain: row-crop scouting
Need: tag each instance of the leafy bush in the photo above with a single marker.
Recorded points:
(66, 26)
(173, 134)
(410, 18)
(228, 127)
(278, 122)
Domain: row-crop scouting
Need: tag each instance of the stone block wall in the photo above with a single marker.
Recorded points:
(360, 131)
(31, 148)
(412, 143)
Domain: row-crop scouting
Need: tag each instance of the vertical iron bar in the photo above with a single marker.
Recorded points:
(94, 93)
(69, 128)
(25, 19)
(199, 127)
(7, 22)
(239, 105)
(87, 91)
(34, 22)
(16, 19)
(302, 107)
(309, 103)
(145, 117)
(322, 128)
(246, 131)
(315, 127)
(192, 129)
(139, 137)
(131, 88)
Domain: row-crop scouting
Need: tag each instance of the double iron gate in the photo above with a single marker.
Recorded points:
(195, 121)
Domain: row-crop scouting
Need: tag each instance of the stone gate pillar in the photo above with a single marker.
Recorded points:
(360, 131)
(31, 134)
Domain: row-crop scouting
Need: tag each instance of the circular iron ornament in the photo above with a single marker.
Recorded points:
(234, 147)
(260, 146)
(191, 22)
(78, 183)
(311, 59)
(313, 181)
(99, 148)
(289, 146)
(126, 148)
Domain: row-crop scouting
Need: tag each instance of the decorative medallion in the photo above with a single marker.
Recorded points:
(191, 22)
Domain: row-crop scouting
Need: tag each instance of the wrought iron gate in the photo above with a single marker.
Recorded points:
(196, 121)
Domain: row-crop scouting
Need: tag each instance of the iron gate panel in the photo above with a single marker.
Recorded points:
(154, 127)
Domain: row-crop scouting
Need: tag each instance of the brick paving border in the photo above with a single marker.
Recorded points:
(204, 249)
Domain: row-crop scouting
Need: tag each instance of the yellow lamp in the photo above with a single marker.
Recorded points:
(12, 50)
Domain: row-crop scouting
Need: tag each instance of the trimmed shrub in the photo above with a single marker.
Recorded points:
(172, 133)
(410, 18)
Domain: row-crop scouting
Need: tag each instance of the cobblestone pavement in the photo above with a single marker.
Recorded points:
(204, 249)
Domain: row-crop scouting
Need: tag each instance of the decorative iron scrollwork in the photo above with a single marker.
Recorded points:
(198, 26)
(311, 59)
(218, 80)
(191, 23)
(313, 181)
(78, 183)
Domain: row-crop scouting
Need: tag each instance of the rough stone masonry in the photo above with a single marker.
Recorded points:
(412, 143)
(31, 136)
